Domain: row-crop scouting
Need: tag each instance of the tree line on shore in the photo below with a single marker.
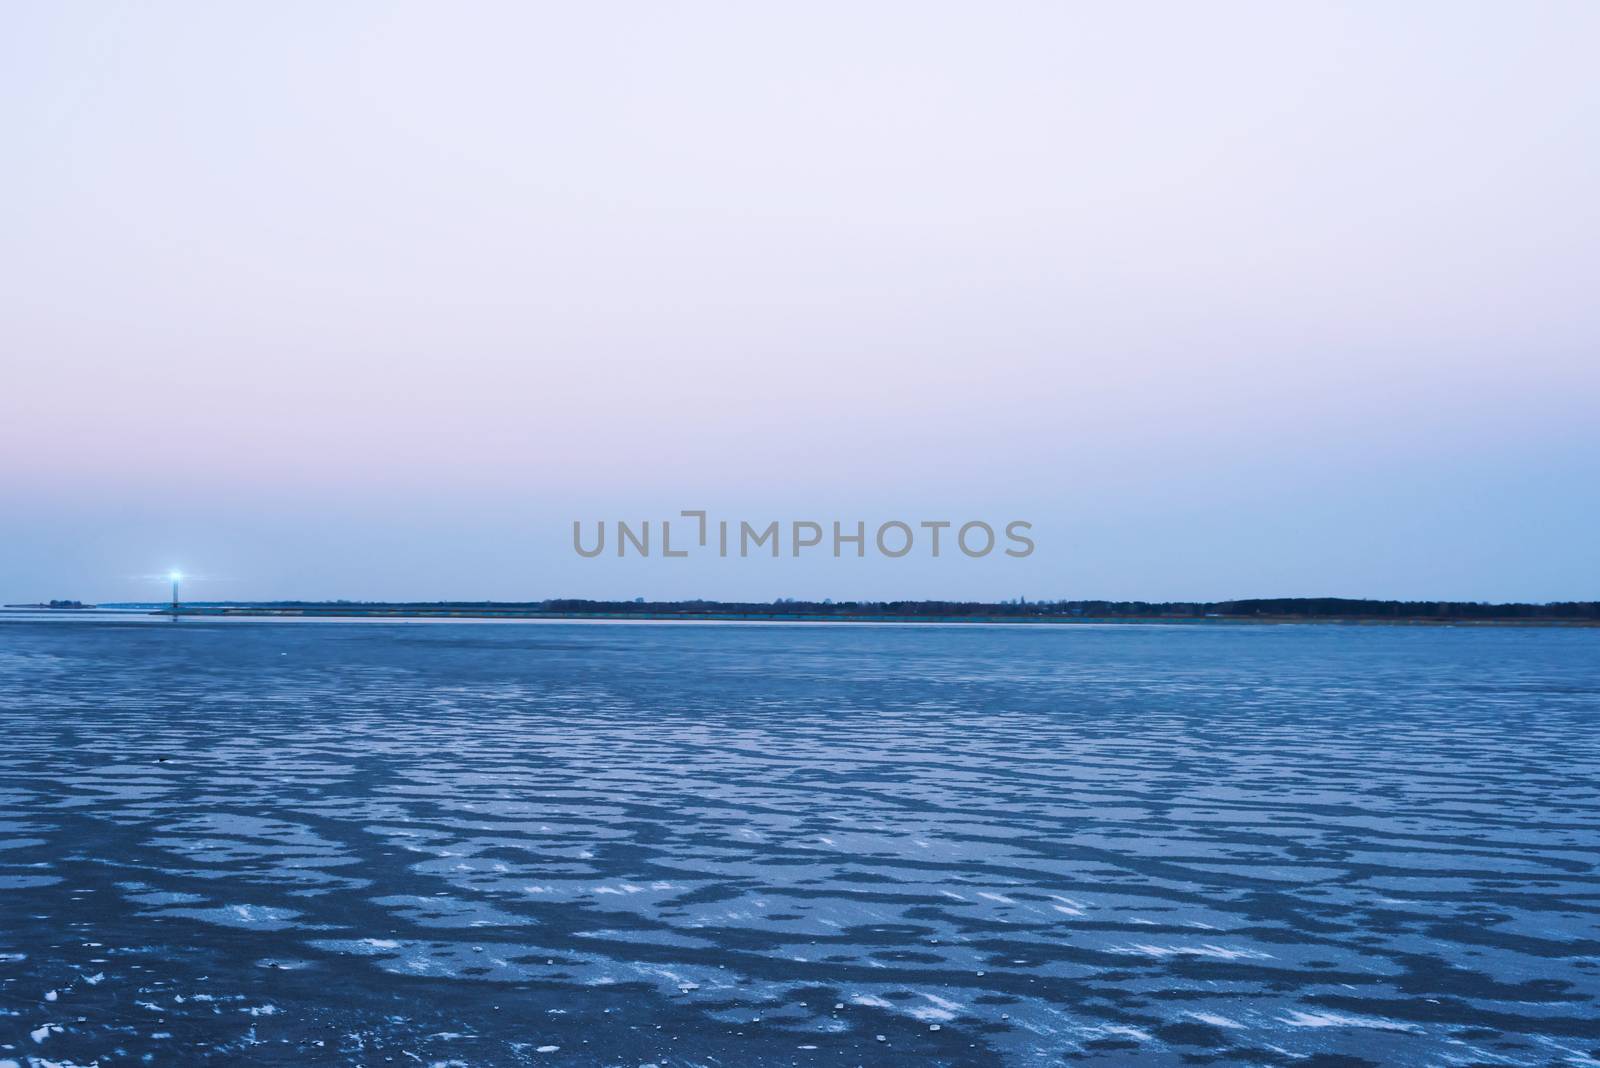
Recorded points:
(1309, 607)
(1265, 608)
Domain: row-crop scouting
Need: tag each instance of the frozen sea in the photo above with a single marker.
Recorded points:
(679, 844)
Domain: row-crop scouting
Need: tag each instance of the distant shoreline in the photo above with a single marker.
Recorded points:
(775, 617)
(1348, 611)
(1266, 611)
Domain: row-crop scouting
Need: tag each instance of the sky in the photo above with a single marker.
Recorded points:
(374, 300)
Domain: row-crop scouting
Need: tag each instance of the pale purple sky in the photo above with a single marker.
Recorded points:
(374, 299)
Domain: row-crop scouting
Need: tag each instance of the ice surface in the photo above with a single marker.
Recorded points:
(738, 845)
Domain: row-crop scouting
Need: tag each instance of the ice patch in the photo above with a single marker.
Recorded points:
(1208, 950)
(941, 1010)
(1122, 1031)
(252, 917)
(870, 1001)
(1296, 1018)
